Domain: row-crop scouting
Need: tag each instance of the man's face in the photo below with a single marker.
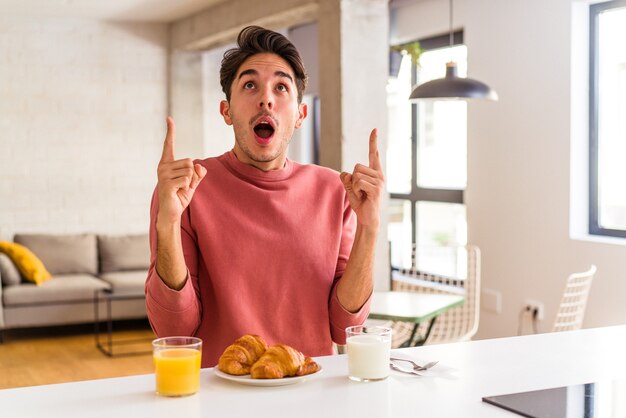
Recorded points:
(263, 110)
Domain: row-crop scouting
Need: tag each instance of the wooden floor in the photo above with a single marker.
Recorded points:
(66, 354)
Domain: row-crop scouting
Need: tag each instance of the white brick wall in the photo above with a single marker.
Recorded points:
(82, 108)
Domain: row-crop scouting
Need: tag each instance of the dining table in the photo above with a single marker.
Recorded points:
(412, 307)
(466, 373)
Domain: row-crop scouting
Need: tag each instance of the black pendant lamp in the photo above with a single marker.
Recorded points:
(452, 86)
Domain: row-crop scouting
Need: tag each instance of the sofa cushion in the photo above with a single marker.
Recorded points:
(8, 272)
(74, 287)
(124, 252)
(64, 254)
(126, 280)
(30, 267)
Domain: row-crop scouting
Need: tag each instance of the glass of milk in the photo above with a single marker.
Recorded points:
(369, 348)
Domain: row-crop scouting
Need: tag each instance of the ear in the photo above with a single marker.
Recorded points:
(302, 112)
(224, 111)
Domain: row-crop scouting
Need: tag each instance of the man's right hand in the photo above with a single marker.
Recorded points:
(177, 180)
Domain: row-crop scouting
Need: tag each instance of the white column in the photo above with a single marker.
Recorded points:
(353, 52)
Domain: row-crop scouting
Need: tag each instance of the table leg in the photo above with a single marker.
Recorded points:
(430, 328)
(415, 340)
(96, 322)
(108, 350)
(109, 328)
(407, 343)
(105, 345)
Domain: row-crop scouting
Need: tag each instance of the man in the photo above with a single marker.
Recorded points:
(251, 242)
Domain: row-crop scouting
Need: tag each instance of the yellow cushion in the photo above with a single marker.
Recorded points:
(31, 268)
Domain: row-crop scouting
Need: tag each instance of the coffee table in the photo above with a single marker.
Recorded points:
(108, 296)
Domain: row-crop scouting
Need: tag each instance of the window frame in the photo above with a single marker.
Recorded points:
(594, 216)
(422, 194)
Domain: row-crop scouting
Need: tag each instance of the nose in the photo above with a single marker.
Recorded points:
(267, 100)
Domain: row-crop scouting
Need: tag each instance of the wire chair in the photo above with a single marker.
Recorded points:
(574, 301)
(457, 324)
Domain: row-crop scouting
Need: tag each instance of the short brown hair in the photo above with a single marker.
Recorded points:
(254, 40)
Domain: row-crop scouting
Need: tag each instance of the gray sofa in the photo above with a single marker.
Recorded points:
(80, 265)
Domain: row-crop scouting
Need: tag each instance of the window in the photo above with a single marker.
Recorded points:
(607, 127)
(426, 155)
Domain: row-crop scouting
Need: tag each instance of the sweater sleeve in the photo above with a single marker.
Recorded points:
(340, 318)
(173, 312)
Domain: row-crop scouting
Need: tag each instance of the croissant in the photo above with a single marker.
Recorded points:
(280, 361)
(241, 355)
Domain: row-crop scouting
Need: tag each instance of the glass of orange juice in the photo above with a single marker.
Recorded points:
(177, 365)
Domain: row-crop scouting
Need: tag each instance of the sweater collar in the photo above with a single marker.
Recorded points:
(250, 172)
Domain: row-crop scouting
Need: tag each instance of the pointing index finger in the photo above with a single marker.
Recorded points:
(374, 156)
(168, 144)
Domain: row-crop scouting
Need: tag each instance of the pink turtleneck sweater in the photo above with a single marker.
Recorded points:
(264, 251)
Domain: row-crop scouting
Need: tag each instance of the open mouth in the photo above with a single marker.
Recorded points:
(264, 130)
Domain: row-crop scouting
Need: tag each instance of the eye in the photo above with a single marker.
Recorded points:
(282, 88)
(248, 85)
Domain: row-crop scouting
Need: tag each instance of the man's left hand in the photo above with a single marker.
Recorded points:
(364, 186)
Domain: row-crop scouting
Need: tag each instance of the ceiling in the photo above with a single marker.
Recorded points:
(116, 10)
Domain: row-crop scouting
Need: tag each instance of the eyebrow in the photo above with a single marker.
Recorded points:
(255, 72)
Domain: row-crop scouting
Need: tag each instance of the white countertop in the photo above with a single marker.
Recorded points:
(454, 388)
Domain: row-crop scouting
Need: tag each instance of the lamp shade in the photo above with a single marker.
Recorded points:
(453, 87)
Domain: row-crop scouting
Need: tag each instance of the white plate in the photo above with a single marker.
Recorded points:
(247, 380)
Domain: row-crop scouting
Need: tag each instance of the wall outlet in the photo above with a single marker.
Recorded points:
(531, 305)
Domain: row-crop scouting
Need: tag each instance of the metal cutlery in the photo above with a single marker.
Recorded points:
(400, 369)
(416, 366)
